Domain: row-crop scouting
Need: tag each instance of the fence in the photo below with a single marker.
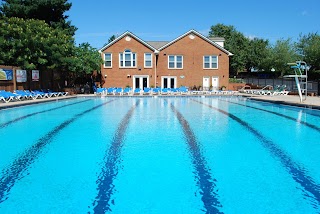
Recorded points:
(313, 86)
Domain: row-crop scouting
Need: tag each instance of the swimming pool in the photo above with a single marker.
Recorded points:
(159, 155)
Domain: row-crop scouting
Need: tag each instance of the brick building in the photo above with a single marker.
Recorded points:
(189, 60)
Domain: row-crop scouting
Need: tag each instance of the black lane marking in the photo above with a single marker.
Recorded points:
(205, 179)
(16, 170)
(110, 169)
(278, 114)
(297, 172)
(3, 125)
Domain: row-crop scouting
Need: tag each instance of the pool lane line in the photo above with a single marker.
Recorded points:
(297, 172)
(3, 125)
(205, 179)
(15, 171)
(110, 168)
(278, 114)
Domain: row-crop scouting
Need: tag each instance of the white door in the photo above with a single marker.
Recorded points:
(168, 82)
(206, 83)
(140, 81)
(215, 83)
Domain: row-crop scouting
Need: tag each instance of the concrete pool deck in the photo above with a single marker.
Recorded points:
(293, 100)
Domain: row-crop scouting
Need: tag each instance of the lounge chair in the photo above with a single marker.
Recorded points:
(36, 94)
(174, 91)
(6, 97)
(27, 94)
(42, 94)
(183, 90)
(279, 90)
(100, 91)
(146, 91)
(137, 91)
(51, 93)
(164, 91)
(127, 91)
(110, 91)
(155, 91)
(118, 91)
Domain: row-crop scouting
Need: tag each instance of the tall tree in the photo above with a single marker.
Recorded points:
(86, 59)
(51, 11)
(235, 42)
(256, 53)
(33, 44)
(279, 55)
(113, 37)
(308, 47)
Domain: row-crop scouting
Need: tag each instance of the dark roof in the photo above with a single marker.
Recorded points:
(157, 44)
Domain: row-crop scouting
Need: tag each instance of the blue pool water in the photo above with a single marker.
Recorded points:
(159, 155)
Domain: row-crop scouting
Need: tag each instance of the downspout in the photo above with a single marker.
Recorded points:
(156, 54)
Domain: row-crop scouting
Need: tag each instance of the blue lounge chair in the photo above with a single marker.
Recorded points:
(156, 91)
(137, 91)
(147, 91)
(118, 91)
(100, 91)
(164, 91)
(127, 91)
(110, 91)
(42, 94)
(6, 96)
(27, 94)
(51, 93)
(183, 90)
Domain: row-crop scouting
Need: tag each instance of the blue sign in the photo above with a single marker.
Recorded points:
(6, 74)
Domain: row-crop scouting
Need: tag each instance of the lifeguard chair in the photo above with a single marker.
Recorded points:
(301, 77)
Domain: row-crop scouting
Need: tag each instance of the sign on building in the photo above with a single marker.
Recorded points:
(6, 74)
(21, 75)
(35, 75)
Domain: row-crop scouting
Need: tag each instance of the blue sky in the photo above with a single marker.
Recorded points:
(165, 20)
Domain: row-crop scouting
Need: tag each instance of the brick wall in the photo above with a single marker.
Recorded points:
(192, 48)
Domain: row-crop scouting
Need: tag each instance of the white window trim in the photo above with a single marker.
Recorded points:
(124, 61)
(210, 62)
(175, 61)
(104, 63)
(150, 59)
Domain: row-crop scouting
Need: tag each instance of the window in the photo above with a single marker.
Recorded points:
(107, 60)
(127, 59)
(175, 61)
(148, 60)
(210, 62)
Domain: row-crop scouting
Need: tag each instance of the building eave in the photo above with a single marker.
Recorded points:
(201, 36)
(127, 33)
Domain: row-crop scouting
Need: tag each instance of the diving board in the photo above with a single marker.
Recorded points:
(301, 77)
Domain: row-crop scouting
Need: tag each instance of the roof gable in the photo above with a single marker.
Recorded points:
(158, 46)
(202, 37)
(127, 33)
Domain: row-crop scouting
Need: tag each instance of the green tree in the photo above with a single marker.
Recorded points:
(86, 59)
(279, 55)
(51, 11)
(33, 44)
(113, 37)
(256, 53)
(235, 42)
(308, 47)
